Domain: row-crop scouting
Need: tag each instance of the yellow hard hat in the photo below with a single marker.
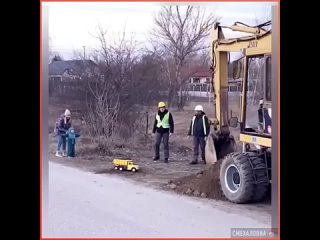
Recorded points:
(161, 105)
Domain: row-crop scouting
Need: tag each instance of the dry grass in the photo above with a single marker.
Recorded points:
(87, 146)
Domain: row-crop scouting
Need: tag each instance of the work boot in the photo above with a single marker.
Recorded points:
(166, 160)
(194, 162)
(58, 154)
(155, 159)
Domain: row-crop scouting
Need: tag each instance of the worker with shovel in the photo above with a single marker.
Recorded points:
(199, 129)
(162, 128)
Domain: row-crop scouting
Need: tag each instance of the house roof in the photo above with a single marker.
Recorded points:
(78, 66)
(201, 72)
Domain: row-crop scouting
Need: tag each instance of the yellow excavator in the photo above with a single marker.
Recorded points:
(245, 172)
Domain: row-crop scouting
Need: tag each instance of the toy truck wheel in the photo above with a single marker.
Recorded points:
(120, 169)
(133, 169)
(115, 167)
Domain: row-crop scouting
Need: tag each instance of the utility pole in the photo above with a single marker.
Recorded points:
(84, 52)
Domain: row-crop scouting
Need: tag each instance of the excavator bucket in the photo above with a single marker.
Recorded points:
(218, 147)
(210, 151)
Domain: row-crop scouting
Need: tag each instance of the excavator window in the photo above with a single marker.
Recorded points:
(258, 88)
(255, 90)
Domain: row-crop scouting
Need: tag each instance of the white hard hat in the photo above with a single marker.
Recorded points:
(198, 108)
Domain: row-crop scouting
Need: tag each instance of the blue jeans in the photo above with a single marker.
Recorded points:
(61, 142)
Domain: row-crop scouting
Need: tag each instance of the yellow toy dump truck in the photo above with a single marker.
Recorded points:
(125, 165)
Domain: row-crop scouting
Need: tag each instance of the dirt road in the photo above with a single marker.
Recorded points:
(87, 205)
(178, 177)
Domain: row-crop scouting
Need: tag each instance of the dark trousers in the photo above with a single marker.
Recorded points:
(71, 148)
(158, 138)
(196, 142)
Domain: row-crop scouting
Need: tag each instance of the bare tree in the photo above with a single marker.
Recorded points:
(148, 77)
(181, 32)
(114, 94)
(102, 108)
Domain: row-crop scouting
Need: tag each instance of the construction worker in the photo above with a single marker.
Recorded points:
(162, 128)
(199, 129)
(61, 128)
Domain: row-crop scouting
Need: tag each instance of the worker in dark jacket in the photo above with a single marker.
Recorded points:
(200, 130)
(163, 127)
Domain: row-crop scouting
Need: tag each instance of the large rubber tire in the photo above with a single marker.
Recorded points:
(237, 178)
(260, 193)
(261, 188)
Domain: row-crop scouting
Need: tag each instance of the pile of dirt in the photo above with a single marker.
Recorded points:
(204, 184)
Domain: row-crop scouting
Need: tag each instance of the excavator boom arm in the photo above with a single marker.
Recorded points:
(254, 45)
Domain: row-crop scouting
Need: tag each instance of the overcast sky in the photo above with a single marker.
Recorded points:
(72, 25)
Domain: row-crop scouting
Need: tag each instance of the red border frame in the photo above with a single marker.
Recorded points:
(41, 94)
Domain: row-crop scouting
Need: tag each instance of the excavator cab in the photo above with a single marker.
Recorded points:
(245, 168)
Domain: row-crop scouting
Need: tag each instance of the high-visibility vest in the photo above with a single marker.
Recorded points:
(164, 122)
(203, 122)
